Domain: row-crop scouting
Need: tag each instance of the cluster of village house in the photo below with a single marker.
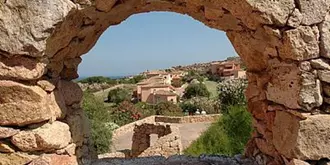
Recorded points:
(158, 85)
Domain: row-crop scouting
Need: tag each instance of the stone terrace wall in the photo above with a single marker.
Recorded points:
(168, 142)
(188, 119)
(165, 119)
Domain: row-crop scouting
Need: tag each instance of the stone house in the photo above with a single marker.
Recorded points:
(227, 69)
(157, 92)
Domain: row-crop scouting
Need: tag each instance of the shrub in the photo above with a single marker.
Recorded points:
(146, 109)
(194, 90)
(119, 95)
(227, 136)
(168, 109)
(202, 103)
(231, 92)
(99, 118)
(191, 76)
(126, 113)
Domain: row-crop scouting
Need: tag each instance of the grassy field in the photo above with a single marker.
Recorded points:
(212, 87)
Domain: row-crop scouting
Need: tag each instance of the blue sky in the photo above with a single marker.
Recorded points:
(154, 40)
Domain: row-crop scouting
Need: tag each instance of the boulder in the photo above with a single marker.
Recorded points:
(22, 104)
(6, 132)
(45, 138)
(57, 105)
(302, 139)
(300, 43)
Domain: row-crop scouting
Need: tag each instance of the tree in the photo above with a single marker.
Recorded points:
(194, 90)
(100, 120)
(232, 92)
(119, 95)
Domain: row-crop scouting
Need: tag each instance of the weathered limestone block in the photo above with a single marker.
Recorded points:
(284, 84)
(277, 11)
(298, 162)
(72, 63)
(311, 91)
(300, 44)
(22, 68)
(324, 75)
(71, 92)
(6, 132)
(325, 37)
(57, 104)
(79, 126)
(104, 5)
(5, 147)
(295, 18)
(27, 24)
(22, 104)
(320, 64)
(47, 85)
(326, 89)
(45, 138)
(313, 11)
(302, 139)
(15, 158)
(53, 159)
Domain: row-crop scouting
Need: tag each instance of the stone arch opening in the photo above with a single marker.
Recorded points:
(283, 43)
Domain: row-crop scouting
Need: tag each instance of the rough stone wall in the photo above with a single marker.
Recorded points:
(285, 45)
(168, 142)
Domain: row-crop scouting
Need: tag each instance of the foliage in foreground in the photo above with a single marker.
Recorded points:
(227, 136)
(232, 92)
(100, 119)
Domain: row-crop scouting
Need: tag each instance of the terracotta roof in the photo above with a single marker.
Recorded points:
(157, 85)
(165, 93)
(156, 79)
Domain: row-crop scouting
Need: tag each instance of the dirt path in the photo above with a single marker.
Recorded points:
(189, 132)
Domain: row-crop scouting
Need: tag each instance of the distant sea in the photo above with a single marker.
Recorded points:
(112, 77)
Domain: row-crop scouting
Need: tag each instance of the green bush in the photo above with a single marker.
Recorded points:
(210, 106)
(119, 95)
(168, 109)
(231, 92)
(99, 118)
(227, 136)
(194, 90)
(134, 80)
(146, 109)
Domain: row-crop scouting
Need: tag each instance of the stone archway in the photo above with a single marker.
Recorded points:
(285, 45)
